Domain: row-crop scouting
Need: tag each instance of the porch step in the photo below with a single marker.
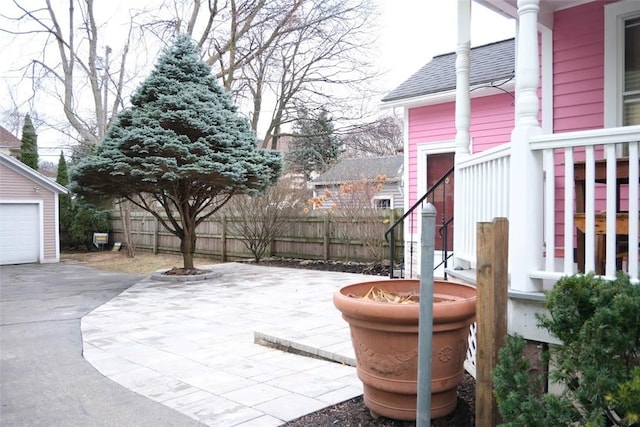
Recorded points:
(464, 276)
(398, 272)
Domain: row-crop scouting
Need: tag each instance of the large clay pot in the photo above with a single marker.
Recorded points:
(385, 340)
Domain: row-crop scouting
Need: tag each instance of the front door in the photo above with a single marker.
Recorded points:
(442, 197)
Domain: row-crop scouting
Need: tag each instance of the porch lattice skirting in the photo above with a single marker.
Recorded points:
(470, 362)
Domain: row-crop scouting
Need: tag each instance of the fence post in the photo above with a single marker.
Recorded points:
(155, 235)
(223, 239)
(491, 313)
(326, 238)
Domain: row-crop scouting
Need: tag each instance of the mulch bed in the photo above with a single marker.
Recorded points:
(353, 412)
(179, 271)
(373, 269)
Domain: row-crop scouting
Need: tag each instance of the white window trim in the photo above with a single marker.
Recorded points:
(614, 16)
(383, 197)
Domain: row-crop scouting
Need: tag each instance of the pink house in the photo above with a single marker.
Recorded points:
(543, 130)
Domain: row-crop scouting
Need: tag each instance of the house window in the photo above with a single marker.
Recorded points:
(382, 203)
(622, 63)
(631, 91)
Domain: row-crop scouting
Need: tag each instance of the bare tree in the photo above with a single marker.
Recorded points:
(258, 220)
(271, 55)
(356, 217)
(274, 55)
(75, 65)
(382, 137)
(11, 117)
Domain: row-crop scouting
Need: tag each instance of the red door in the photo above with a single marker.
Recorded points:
(442, 197)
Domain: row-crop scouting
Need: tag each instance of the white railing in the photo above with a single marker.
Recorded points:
(591, 184)
(483, 181)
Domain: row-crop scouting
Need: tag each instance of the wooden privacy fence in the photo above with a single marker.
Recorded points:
(308, 237)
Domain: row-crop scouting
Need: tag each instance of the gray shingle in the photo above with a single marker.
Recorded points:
(490, 62)
(364, 167)
(7, 139)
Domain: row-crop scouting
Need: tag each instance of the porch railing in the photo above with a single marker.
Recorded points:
(410, 217)
(591, 197)
(484, 183)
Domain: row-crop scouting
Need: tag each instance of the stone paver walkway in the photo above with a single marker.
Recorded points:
(191, 345)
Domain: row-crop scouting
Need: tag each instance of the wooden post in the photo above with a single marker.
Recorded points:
(155, 236)
(327, 238)
(491, 312)
(223, 239)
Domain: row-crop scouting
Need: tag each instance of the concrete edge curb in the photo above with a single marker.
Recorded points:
(300, 349)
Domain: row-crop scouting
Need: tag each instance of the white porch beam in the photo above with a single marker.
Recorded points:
(526, 244)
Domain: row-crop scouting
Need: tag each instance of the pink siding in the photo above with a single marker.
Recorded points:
(14, 186)
(492, 119)
(578, 68)
(578, 78)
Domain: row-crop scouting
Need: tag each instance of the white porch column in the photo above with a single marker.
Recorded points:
(463, 96)
(526, 207)
(463, 117)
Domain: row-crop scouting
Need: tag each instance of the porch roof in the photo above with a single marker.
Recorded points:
(489, 63)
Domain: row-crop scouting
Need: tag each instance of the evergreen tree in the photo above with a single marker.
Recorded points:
(29, 146)
(65, 210)
(181, 146)
(314, 147)
(62, 177)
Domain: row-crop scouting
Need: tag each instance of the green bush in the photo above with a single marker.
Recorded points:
(85, 220)
(598, 322)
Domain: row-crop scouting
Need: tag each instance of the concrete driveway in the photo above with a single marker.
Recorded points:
(44, 379)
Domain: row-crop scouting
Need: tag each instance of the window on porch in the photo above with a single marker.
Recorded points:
(631, 93)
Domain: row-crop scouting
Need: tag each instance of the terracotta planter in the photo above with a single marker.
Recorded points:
(385, 340)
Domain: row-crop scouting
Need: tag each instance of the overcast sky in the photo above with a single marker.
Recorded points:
(411, 33)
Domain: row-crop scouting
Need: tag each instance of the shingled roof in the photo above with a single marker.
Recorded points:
(490, 62)
(356, 169)
(7, 139)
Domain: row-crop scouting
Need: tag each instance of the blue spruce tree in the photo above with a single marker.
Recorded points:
(181, 151)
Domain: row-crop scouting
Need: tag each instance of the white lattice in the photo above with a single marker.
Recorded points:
(470, 362)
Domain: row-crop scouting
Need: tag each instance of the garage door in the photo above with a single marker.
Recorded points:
(19, 233)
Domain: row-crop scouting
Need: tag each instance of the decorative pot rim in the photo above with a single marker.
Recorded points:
(461, 306)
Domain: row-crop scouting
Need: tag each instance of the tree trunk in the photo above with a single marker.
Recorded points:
(187, 259)
(125, 214)
(188, 243)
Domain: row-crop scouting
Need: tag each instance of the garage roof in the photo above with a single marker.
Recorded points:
(22, 169)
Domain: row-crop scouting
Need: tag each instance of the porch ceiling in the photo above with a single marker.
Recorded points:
(509, 8)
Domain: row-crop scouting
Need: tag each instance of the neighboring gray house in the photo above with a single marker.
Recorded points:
(370, 170)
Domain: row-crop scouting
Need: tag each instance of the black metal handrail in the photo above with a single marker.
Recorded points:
(390, 233)
(444, 234)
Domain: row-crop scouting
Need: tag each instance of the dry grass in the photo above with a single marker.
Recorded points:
(143, 263)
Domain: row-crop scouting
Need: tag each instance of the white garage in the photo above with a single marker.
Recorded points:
(28, 214)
